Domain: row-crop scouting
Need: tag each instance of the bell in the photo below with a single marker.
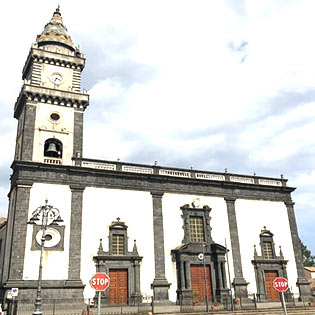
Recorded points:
(52, 150)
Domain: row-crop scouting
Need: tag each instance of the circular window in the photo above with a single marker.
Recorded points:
(54, 116)
(52, 237)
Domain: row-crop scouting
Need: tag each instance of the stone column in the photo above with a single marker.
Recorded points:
(182, 275)
(136, 295)
(213, 281)
(224, 275)
(137, 276)
(74, 267)
(220, 276)
(302, 282)
(223, 291)
(184, 291)
(239, 283)
(160, 285)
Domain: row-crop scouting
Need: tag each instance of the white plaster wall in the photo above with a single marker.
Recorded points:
(55, 263)
(61, 130)
(252, 216)
(174, 233)
(101, 207)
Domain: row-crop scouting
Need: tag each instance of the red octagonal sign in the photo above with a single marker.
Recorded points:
(281, 284)
(100, 281)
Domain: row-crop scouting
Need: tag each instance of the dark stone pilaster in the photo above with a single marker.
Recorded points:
(302, 282)
(28, 133)
(223, 291)
(8, 238)
(239, 283)
(136, 296)
(160, 285)
(19, 212)
(78, 134)
(75, 234)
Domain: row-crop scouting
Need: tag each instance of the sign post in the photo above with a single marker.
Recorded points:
(100, 282)
(281, 285)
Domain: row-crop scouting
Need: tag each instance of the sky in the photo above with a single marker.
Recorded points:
(213, 84)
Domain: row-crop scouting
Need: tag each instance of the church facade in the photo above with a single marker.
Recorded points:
(174, 234)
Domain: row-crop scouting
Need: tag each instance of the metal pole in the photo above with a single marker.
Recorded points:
(99, 303)
(205, 277)
(283, 303)
(38, 299)
(228, 266)
(13, 306)
(88, 307)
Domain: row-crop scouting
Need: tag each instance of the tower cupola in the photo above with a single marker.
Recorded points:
(55, 33)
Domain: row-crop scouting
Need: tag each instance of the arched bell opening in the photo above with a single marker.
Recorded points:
(53, 148)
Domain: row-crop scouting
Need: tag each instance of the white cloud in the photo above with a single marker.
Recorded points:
(198, 95)
(279, 137)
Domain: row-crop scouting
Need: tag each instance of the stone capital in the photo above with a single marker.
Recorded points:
(157, 193)
(78, 188)
(230, 199)
(289, 203)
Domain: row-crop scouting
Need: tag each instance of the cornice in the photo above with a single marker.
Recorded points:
(40, 94)
(74, 60)
(114, 179)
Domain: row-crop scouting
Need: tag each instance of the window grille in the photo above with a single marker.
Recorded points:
(118, 244)
(267, 248)
(196, 229)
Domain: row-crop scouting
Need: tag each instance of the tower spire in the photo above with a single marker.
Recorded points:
(55, 32)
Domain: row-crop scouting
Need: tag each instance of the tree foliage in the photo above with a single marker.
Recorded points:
(308, 258)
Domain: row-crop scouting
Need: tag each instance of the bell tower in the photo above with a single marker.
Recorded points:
(50, 106)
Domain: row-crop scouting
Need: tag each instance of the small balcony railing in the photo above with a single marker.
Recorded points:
(51, 160)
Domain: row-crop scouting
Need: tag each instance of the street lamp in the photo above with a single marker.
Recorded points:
(46, 215)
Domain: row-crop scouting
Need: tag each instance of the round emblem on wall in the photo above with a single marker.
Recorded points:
(56, 78)
(200, 256)
(52, 237)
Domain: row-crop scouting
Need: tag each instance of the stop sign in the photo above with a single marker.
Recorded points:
(281, 284)
(100, 281)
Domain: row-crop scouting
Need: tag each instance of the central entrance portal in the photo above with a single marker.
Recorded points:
(118, 287)
(198, 273)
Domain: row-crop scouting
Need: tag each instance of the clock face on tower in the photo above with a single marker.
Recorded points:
(56, 78)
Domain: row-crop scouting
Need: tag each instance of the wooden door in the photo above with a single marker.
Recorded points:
(118, 288)
(197, 277)
(272, 294)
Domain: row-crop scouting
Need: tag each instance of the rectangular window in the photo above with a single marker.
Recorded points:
(196, 229)
(117, 244)
(268, 254)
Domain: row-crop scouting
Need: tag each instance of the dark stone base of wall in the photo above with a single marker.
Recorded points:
(65, 290)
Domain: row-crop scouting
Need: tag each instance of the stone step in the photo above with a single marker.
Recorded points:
(290, 311)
